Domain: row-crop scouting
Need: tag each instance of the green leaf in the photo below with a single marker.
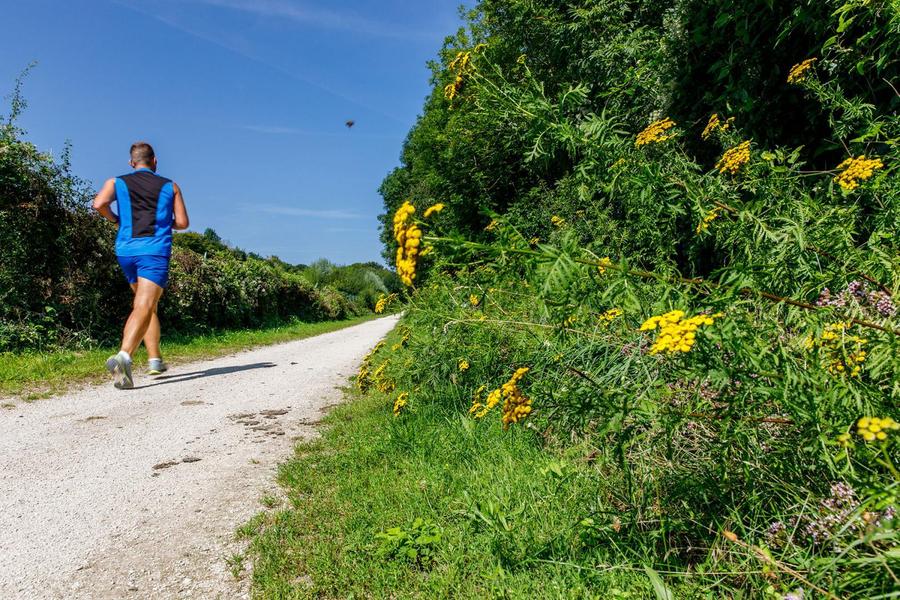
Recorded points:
(660, 588)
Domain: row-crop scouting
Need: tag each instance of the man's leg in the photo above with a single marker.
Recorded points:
(154, 333)
(146, 295)
(146, 298)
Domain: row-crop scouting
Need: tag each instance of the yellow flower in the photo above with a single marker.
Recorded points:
(715, 124)
(400, 403)
(534, 241)
(845, 353)
(462, 64)
(734, 158)
(709, 218)
(492, 225)
(676, 334)
(610, 315)
(381, 304)
(474, 300)
(856, 170)
(433, 209)
(605, 262)
(409, 238)
(799, 71)
(875, 428)
(516, 406)
(655, 133)
(463, 365)
(557, 221)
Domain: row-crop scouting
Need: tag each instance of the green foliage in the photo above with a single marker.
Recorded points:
(414, 544)
(747, 424)
(60, 285)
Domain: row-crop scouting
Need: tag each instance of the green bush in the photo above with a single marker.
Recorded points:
(741, 442)
(60, 285)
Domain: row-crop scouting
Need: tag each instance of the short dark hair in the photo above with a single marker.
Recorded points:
(142, 153)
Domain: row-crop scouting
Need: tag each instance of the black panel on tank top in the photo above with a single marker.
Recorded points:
(144, 188)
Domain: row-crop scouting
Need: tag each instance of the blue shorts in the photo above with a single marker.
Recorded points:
(154, 268)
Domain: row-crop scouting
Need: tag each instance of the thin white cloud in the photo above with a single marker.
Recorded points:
(319, 18)
(279, 130)
(240, 47)
(292, 211)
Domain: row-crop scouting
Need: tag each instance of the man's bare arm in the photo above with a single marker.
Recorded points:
(105, 197)
(181, 216)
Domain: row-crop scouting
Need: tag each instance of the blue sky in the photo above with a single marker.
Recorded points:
(244, 100)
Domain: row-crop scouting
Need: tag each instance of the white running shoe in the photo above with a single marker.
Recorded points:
(119, 366)
(156, 366)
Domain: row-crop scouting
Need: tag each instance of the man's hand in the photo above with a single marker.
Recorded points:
(105, 197)
(181, 216)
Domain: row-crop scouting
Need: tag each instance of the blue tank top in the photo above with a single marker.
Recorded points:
(146, 211)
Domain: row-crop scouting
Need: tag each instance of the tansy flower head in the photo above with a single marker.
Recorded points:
(409, 238)
(610, 315)
(855, 170)
(715, 124)
(605, 262)
(845, 352)
(709, 218)
(734, 158)
(400, 403)
(655, 133)
(433, 209)
(799, 71)
(676, 333)
(874, 428)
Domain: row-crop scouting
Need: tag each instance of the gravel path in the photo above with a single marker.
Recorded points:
(137, 494)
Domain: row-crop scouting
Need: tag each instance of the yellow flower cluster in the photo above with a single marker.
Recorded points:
(873, 428)
(385, 385)
(605, 262)
(474, 300)
(676, 334)
(846, 353)
(401, 343)
(463, 365)
(610, 315)
(409, 238)
(400, 403)
(715, 124)
(433, 209)
(516, 406)
(557, 221)
(363, 379)
(461, 64)
(709, 218)
(655, 133)
(734, 158)
(856, 170)
(383, 302)
(799, 71)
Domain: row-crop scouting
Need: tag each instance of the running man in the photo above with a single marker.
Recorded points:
(149, 208)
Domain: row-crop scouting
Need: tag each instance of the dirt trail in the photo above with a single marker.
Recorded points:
(137, 494)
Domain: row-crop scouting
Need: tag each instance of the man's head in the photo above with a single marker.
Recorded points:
(142, 156)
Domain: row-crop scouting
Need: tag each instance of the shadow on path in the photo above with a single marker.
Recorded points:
(181, 377)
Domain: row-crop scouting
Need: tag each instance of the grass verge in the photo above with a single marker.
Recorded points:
(431, 504)
(34, 375)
